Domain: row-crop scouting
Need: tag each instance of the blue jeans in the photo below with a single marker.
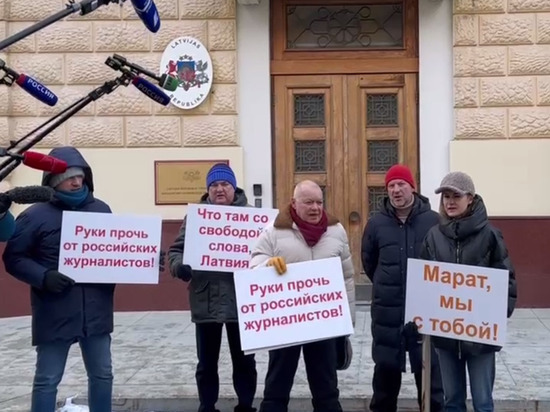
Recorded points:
(481, 370)
(50, 365)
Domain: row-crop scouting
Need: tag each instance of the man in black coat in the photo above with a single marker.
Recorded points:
(391, 236)
(63, 312)
(213, 305)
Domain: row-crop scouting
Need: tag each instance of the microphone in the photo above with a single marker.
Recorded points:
(151, 91)
(36, 89)
(148, 13)
(29, 194)
(30, 85)
(169, 83)
(43, 162)
(165, 81)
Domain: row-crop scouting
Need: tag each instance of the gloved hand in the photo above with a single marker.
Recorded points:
(278, 263)
(56, 282)
(183, 272)
(410, 332)
(5, 203)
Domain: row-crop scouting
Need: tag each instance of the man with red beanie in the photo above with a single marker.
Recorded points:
(391, 236)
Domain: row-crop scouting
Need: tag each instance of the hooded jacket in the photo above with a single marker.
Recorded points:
(211, 294)
(82, 309)
(470, 240)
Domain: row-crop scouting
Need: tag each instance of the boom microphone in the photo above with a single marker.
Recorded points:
(44, 162)
(29, 194)
(148, 13)
(150, 90)
(165, 81)
(30, 85)
(36, 89)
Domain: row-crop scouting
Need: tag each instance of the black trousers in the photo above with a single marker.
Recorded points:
(245, 377)
(386, 384)
(320, 361)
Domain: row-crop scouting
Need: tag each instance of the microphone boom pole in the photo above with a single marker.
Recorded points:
(11, 163)
(85, 7)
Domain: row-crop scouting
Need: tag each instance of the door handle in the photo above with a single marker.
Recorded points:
(354, 217)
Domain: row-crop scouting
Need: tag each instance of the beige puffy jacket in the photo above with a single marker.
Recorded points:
(284, 239)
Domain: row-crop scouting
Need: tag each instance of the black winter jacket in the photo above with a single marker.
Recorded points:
(84, 309)
(387, 244)
(470, 240)
(211, 294)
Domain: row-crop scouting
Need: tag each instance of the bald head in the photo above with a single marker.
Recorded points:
(307, 187)
(308, 201)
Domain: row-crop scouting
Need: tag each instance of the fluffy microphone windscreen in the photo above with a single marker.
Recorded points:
(30, 194)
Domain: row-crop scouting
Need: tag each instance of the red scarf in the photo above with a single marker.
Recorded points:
(312, 233)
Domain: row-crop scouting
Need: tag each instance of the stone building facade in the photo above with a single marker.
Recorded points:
(69, 57)
(482, 71)
(502, 69)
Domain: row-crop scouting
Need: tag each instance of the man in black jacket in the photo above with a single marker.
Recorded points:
(63, 312)
(391, 237)
(213, 304)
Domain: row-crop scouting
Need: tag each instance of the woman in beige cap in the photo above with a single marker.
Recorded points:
(465, 236)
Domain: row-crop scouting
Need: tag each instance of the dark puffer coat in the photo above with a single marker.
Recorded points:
(386, 246)
(82, 310)
(470, 240)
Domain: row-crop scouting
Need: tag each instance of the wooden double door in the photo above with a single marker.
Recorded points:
(344, 132)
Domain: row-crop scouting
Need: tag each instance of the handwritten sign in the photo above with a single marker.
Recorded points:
(110, 248)
(457, 301)
(221, 238)
(308, 303)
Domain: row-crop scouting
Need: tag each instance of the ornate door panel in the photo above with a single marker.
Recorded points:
(344, 132)
(382, 119)
(309, 137)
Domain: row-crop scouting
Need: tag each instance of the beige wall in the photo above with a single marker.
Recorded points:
(69, 57)
(502, 101)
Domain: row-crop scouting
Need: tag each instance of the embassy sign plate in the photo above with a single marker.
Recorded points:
(186, 59)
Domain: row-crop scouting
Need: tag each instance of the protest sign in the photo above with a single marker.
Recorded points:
(307, 303)
(220, 238)
(457, 301)
(110, 248)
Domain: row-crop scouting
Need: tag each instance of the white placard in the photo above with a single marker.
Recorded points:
(307, 303)
(110, 248)
(220, 238)
(457, 301)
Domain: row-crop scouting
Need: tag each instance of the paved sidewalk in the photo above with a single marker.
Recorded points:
(154, 361)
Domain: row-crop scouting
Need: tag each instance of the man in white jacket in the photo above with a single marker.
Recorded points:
(304, 231)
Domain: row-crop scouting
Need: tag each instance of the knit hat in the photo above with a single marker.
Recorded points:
(400, 172)
(70, 172)
(458, 182)
(223, 172)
